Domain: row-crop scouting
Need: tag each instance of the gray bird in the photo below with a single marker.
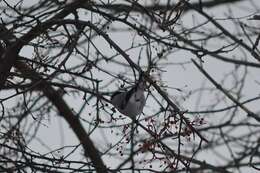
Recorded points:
(130, 103)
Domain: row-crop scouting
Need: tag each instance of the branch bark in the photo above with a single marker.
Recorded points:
(64, 110)
(8, 58)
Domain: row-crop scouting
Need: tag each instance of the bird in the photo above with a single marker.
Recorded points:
(131, 102)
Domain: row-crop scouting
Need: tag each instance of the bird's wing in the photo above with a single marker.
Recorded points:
(118, 99)
(124, 101)
(129, 94)
(115, 93)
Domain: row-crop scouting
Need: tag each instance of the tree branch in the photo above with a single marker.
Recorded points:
(218, 86)
(8, 58)
(124, 8)
(64, 110)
